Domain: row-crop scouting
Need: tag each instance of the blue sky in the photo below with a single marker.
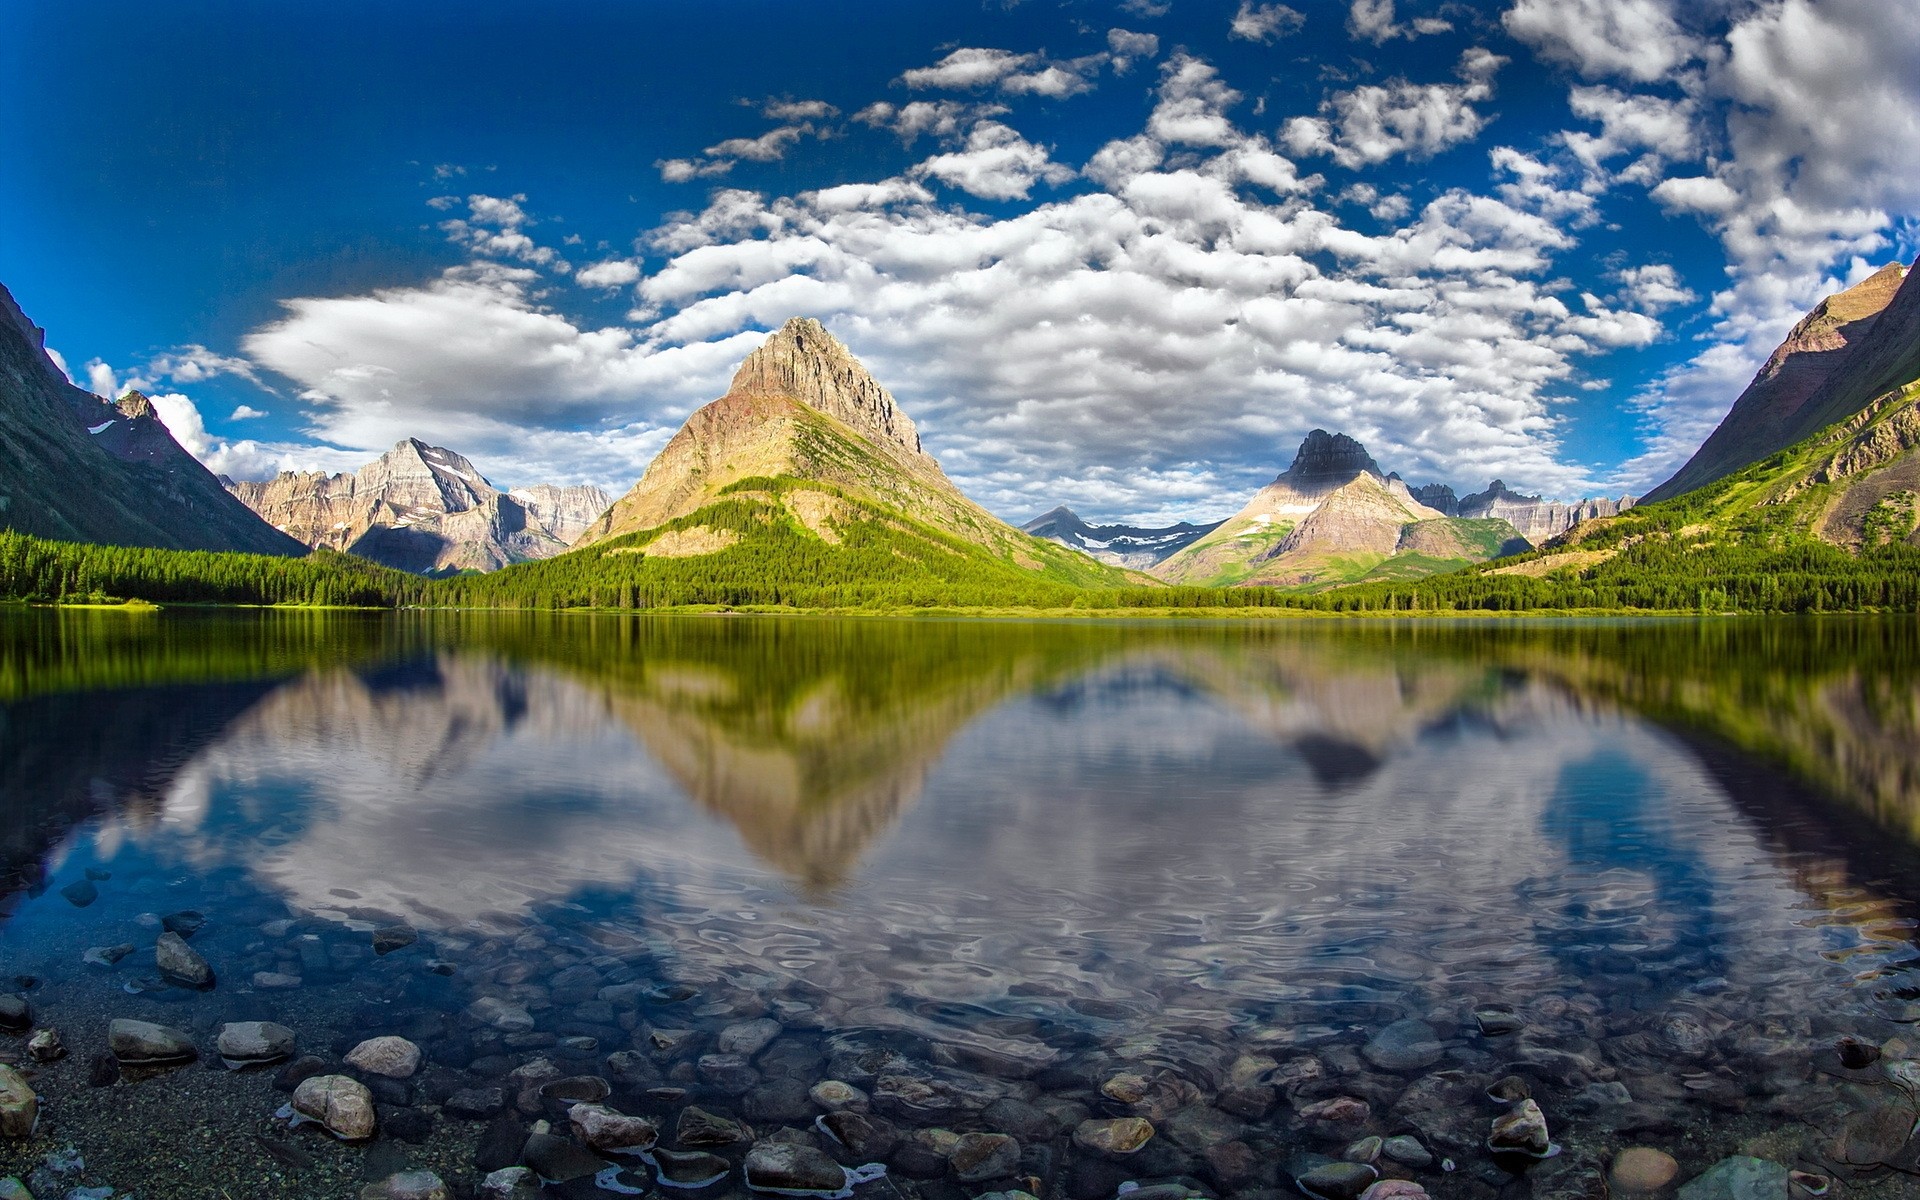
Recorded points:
(1117, 254)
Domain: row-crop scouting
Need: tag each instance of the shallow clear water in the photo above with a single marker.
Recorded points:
(1008, 861)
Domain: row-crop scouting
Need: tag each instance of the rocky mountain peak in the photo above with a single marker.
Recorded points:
(1329, 457)
(803, 361)
(134, 405)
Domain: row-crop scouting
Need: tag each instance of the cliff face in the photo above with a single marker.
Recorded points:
(806, 363)
(1536, 520)
(423, 508)
(78, 468)
(1791, 397)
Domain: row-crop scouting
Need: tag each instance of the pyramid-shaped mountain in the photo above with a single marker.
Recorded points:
(807, 439)
(75, 467)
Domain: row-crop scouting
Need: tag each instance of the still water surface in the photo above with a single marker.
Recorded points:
(977, 871)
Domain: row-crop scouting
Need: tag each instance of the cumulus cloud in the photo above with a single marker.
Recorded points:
(797, 110)
(974, 68)
(494, 227)
(771, 146)
(1264, 22)
(1372, 20)
(1125, 46)
(995, 164)
(945, 120)
(243, 458)
(1634, 39)
(1373, 123)
(246, 412)
(610, 273)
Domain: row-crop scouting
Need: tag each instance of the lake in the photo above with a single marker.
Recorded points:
(1074, 908)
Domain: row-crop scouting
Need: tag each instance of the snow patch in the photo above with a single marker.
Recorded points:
(95, 429)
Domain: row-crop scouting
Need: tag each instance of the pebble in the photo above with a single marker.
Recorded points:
(186, 922)
(1856, 1055)
(865, 1136)
(1510, 1089)
(1395, 1189)
(1642, 1169)
(1125, 1088)
(389, 938)
(1117, 1135)
(1497, 1021)
(559, 1160)
(1523, 1130)
(510, 1183)
(982, 1156)
(252, 1043)
(1407, 1045)
(833, 1095)
(275, 981)
(476, 1104)
(342, 1105)
(277, 929)
(12, 1189)
(408, 1185)
(698, 1127)
(392, 1057)
(46, 1046)
(612, 1132)
(19, 1107)
(1337, 1181)
(786, 1167)
(1407, 1151)
(80, 893)
(181, 964)
(748, 1038)
(141, 1042)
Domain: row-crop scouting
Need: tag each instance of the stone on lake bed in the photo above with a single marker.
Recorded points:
(833, 1095)
(80, 893)
(510, 1183)
(251, 1043)
(1406, 1045)
(389, 938)
(690, 1168)
(275, 981)
(558, 1160)
(343, 1106)
(1498, 1021)
(408, 1185)
(1337, 1181)
(1739, 1177)
(612, 1132)
(46, 1046)
(1125, 1088)
(12, 1189)
(19, 1107)
(1642, 1170)
(698, 1127)
(186, 922)
(181, 964)
(1116, 1135)
(748, 1038)
(503, 1015)
(983, 1156)
(393, 1057)
(790, 1169)
(1407, 1151)
(16, 1015)
(106, 956)
(139, 1042)
(1521, 1130)
(1395, 1189)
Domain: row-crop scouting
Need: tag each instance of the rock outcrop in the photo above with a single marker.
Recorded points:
(1536, 519)
(79, 468)
(1812, 379)
(423, 508)
(1122, 545)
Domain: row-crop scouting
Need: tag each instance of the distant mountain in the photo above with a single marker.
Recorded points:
(79, 468)
(1537, 520)
(424, 508)
(1333, 517)
(807, 444)
(1121, 545)
(1812, 379)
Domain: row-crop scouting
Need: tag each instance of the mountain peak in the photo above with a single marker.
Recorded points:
(135, 404)
(805, 362)
(1324, 457)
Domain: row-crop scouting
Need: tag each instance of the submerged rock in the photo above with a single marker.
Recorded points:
(503, 1015)
(833, 1095)
(1117, 1135)
(389, 1056)
(254, 1043)
(16, 1015)
(141, 1042)
(106, 956)
(1739, 1177)
(1523, 1130)
(690, 1168)
(1497, 1020)
(748, 1038)
(558, 1160)
(612, 1132)
(1407, 1045)
(1856, 1055)
(181, 964)
(698, 1127)
(408, 1185)
(80, 893)
(1642, 1170)
(1337, 1181)
(46, 1046)
(983, 1156)
(19, 1107)
(792, 1169)
(343, 1106)
(389, 938)
(510, 1183)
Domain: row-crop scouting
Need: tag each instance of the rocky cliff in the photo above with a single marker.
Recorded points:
(1780, 407)
(1537, 520)
(423, 508)
(1122, 545)
(79, 468)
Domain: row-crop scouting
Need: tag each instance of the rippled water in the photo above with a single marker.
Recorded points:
(1007, 861)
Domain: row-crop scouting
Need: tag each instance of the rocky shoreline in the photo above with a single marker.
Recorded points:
(344, 1054)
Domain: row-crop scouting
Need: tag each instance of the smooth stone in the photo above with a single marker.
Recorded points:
(186, 922)
(144, 1042)
(393, 1057)
(748, 1038)
(1510, 1089)
(299, 1071)
(16, 1015)
(1395, 1189)
(1498, 1022)
(983, 1156)
(80, 893)
(389, 938)
(180, 963)
(1407, 1151)
(865, 1136)
(576, 1089)
(1365, 1150)
(252, 1042)
(557, 1160)
(1801, 1185)
(19, 1107)
(106, 956)
(690, 1168)
(728, 1073)
(46, 1047)
(1337, 1181)
(1337, 1111)
(278, 929)
(342, 1105)
(1523, 1130)
(1856, 1055)
(1125, 1088)
(1406, 1045)
(510, 1183)
(833, 1095)
(1116, 1135)
(275, 981)
(1642, 1169)
(12, 1189)
(1739, 1177)
(786, 1167)
(698, 1127)
(611, 1132)
(408, 1185)
(503, 1015)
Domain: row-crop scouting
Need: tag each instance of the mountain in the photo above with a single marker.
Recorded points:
(1537, 520)
(79, 468)
(423, 508)
(1334, 517)
(806, 443)
(1121, 545)
(1812, 379)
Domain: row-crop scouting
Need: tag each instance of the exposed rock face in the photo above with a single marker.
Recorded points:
(423, 508)
(1811, 380)
(1537, 520)
(1439, 497)
(1121, 545)
(810, 365)
(79, 468)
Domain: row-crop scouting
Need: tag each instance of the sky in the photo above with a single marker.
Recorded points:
(1118, 254)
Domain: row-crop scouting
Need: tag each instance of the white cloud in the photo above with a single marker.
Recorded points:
(1653, 288)
(972, 68)
(1372, 20)
(196, 364)
(1146, 8)
(1125, 46)
(492, 228)
(1372, 123)
(1657, 130)
(245, 458)
(1634, 39)
(945, 120)
(612, 273)
(1264, 22)
(798, 110)
(996, 164)
(246, 412)
(59, 360)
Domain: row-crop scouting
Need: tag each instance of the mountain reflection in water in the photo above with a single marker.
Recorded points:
(1184, 841)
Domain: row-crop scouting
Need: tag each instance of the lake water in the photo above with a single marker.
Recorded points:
(1250, 882)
